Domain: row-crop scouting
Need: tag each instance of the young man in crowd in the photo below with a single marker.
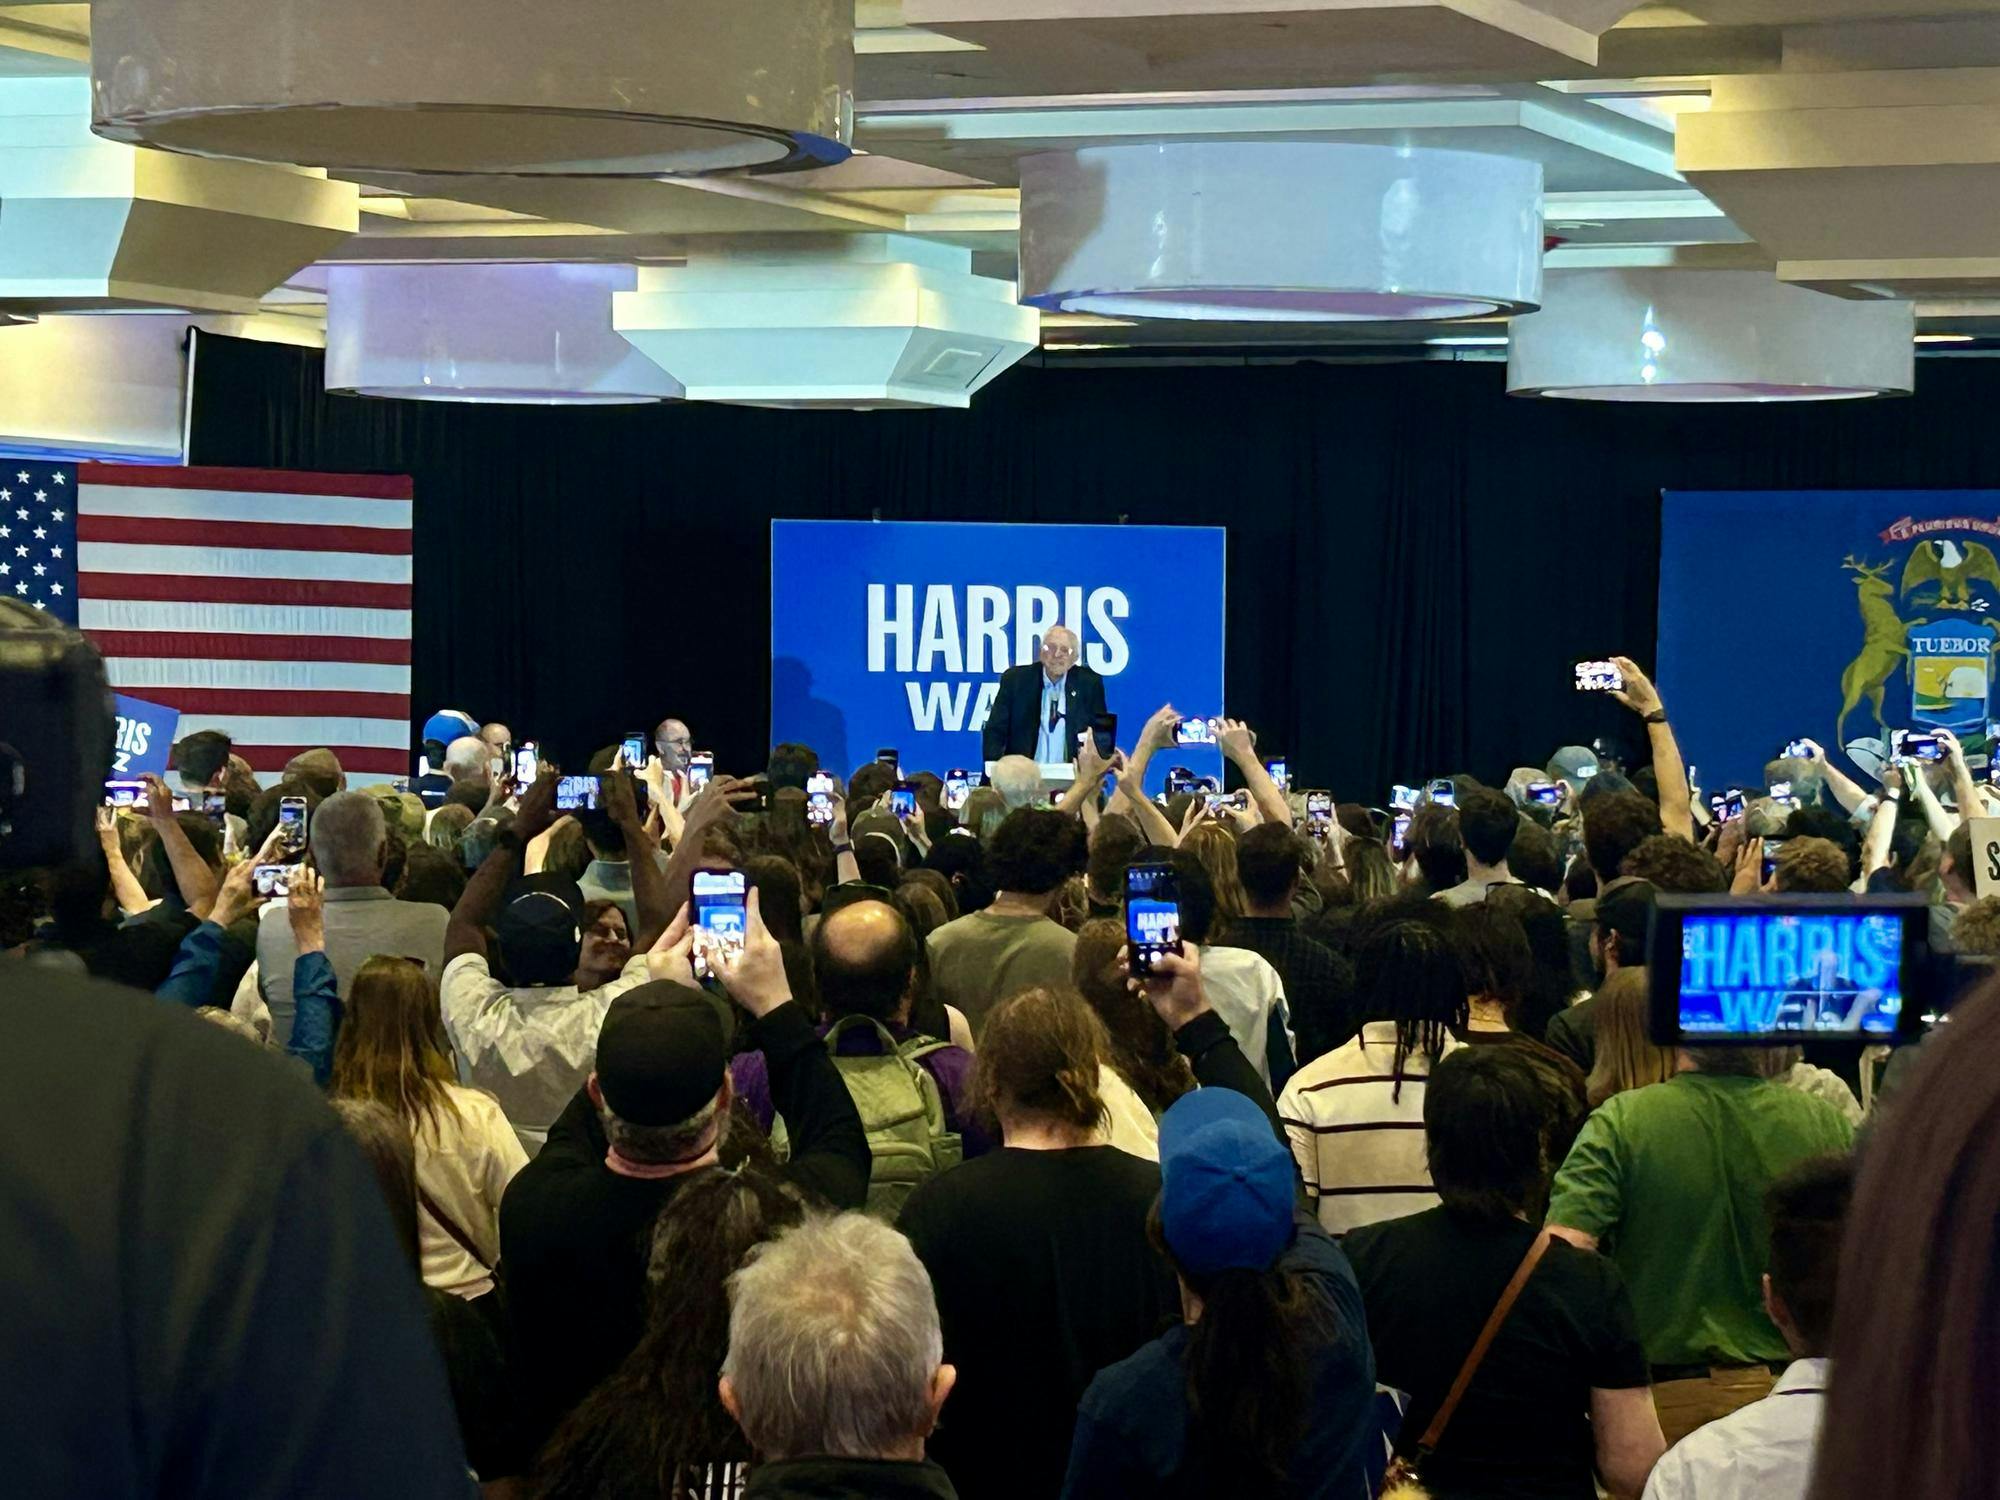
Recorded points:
(1765, 1451)
(1487, 821)
(1246, 991)
(1317, 983)
(1618, 936)
(1013, 945)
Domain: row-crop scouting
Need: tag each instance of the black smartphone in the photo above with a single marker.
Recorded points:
(634, 745)
(272, 881)
(215, 807)
(125, 794)
(1545, 794)
(1916, 745)
(1442, 792)
(1319, 810)
(1598, 677)
(1195, 732)
(1280, 772)
(1105, 728)
(527, 764)
(957, 787)
(1152, 915)
(701, 766)
(1772, 848)
(1179, 779)
(1399, 835)
(903, 801)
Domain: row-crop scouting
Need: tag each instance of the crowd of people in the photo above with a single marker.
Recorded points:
(1381, 1180)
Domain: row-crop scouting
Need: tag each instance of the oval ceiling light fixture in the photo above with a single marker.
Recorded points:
(1685, 335)
(1268, 232)
(531, 335)
(614, 88)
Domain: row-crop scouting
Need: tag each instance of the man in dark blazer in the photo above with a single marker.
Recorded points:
(1041, 708)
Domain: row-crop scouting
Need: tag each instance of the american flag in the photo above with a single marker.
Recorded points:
(272, 606)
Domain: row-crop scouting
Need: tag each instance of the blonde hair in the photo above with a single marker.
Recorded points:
(1041, 1053)
(1626, 1057)
(392, 1046)
(1215, 846)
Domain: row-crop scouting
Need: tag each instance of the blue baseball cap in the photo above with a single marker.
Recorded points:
(448, 724)
(1227, 1184)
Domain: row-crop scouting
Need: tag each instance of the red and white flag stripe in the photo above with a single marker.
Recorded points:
(273, 606)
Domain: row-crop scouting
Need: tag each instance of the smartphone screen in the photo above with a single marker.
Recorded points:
(527, 764)
(1545, 794)
(956, 789)
(1732, 807)
(1921, 746)
(1195, 732)
(1781, 793)
(903, 801)
(819, 798)
(1399, 835)
(215, 807)
(1105, 728)
(1798, 750)
(1772, 847)
(579, 793)
(272, 881)
(719, 897)
(1598, 677)
(124, 794)
(1443, 793)
(292, 822)
(1179, 779)
(1152, 915)
(1319, 809)
(635, 750)
(701, 766)
(1402, 796)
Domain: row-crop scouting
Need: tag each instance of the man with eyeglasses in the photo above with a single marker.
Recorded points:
(1041, 708)
(673, 742)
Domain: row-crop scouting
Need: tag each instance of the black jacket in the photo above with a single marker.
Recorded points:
(574, 1235)
(1014, 726)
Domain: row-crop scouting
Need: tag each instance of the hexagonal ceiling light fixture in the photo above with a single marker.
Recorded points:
(620, 88)
(1287, 231)
(1695, 336)
(529, 334)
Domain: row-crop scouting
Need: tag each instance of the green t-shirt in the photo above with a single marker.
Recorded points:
(1671, 1180)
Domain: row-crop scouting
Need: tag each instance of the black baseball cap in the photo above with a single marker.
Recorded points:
(663, 1052)
(540, 929)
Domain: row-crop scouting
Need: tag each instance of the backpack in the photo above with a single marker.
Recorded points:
(901, 1109)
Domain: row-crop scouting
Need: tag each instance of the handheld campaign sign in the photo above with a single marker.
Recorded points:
(1985, 834)
(145, 735)
(896, 633)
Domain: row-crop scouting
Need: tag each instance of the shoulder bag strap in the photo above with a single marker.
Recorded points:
(450, 1226)
(1435, 1432)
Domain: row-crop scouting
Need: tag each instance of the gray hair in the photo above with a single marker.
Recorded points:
(834, 1342)
(466, 757)
(348, 832)
(1018, 780)
(480, 836)
(663, 1145)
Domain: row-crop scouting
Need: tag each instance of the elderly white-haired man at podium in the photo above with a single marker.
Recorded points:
(1043, 706)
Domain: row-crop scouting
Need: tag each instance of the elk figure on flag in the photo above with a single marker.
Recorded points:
(272, 606)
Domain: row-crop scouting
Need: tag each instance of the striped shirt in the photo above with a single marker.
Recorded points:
(1360, 1145)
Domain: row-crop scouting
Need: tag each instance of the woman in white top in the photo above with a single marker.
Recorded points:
(392, 1050)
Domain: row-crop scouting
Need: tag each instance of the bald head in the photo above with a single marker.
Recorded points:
(1059, 649)
(865, 957)
(499, 738)
(673, 742)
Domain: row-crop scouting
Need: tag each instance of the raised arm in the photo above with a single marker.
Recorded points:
(1964, 790)
(1239, 743)
(649, 882)
(1081, 794)
(1846, 790)
(708, 807)
(1202, 1036)
(315, 991)
(1881, 830)
(197, 882)
(1669, 770)
(125, 888)
(845, 866)
(1936, 818)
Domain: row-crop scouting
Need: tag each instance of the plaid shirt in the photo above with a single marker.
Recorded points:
(1319, 983)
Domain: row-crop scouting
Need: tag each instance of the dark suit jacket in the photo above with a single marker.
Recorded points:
(1014, 727)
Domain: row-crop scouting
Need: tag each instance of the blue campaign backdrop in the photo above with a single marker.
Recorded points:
(1830, 615)
(894, 634)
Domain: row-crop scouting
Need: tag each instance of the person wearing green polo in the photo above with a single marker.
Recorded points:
(1669, 1181)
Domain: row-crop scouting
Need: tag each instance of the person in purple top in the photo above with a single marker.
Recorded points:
(865, 960)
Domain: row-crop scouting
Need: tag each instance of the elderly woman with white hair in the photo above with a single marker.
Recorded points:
(836, 1369)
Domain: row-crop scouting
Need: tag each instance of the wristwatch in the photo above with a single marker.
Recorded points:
(1657, 716)
(840, 849)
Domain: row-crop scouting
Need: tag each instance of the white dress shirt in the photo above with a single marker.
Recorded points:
(1762, 1452)
(530, 1048)
(1051, 748)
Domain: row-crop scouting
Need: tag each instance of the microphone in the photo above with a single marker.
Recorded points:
(1055, 713)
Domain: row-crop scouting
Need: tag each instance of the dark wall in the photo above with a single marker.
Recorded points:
(1415, 559)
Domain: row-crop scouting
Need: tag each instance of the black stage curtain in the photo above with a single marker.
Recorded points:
(1415, 559)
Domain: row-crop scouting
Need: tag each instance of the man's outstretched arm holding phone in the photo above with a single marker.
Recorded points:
(1239, 744)
(1669, 770)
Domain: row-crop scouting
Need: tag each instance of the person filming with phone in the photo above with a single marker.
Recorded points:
(1043, 706)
